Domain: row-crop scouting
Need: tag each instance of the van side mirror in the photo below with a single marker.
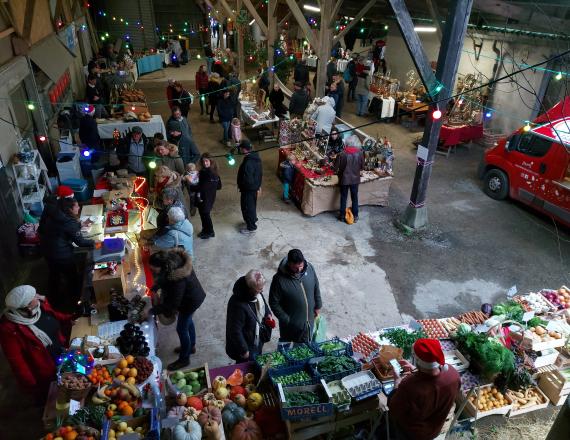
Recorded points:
(513, 142)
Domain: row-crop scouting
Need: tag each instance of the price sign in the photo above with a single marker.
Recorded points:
(415, 325)
(512, 291)
(528, 316)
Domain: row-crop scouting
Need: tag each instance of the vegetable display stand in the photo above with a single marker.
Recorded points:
(275, 360)
(365, 411)
(362, 385)
(487, 402)
(177, 381)
(556, 385)
(332, 368)
(149, 421)
(299, 354)
(308, 402)
(296, 375)
(527, 401)
(456, 360)
(333, 347)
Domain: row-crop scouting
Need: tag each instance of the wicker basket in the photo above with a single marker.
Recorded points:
(68, 394)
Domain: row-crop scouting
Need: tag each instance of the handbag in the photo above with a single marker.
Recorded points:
(264, 330)
(349, 216)
(305, 335)
(157, 299)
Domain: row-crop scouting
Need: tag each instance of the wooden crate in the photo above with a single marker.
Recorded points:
(517, 411)
(456, 360)
(103, 282)
(535, 345)
(555, 386)
(563, 359)
(477, 414)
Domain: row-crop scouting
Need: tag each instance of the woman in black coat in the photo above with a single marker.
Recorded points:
(59, 230)
(182, 293)
(209, 183)
(276, 98)
(247, 311)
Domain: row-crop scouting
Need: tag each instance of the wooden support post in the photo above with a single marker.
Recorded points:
(284, 19)
(335, 10)
(325, 45)
(447, 63)
(414, 44)
(272, 31)
(228, 10)
(434, 12)
(28, 19)
(241, 52)
(302, 21)
(256, 16)
(356, 20)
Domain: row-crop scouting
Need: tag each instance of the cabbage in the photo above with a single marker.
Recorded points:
(487, 308)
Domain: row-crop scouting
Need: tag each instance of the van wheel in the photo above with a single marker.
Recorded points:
(496, 184)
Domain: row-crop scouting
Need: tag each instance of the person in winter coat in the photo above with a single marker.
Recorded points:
(335, 145)
(298, 102)
(276, 99)
(182, 293)
(337, 79)
(33, 336)
(59, 230)
(214, 86)
(182, 99)
(331, 69)
(295, 297)
(226, 109)
(324, 115)
(301, 73)
(263, 81)
(287, 175)
(351, 79)
(171, 197)
(209, 183)
(180, 134)
(165, 178)
(88, 133)
(170, 93)
(131, 151)
(249, 178)
(361, 90)
(348, 166)
(246, 316)
(167, 155)
(202, 87)
(178, 233)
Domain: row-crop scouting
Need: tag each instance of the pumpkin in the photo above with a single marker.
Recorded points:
(195, 402)
(181, 399)
(177, 411)
(246, 430)
(219, 381)
(191, 414)
(254, 401)
(218, 404)
(188, 430)
(240, 400)
(232, 415)
(221, 393)
(236, 390)
(210, 413)
(250, 388)
(248, 378)
(208, 399)
(236, 378)
(211, 430)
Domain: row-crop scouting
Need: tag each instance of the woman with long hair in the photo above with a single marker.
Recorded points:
(209, 184)
(182, 294)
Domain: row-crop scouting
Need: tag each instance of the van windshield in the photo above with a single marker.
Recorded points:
(533, 145)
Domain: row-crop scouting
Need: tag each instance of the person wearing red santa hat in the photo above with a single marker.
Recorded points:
(422, 398)
(88, 133)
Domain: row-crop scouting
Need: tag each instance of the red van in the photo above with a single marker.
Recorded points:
(534, 166)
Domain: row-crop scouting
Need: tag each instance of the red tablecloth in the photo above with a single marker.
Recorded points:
(301, 174)
(456, 135)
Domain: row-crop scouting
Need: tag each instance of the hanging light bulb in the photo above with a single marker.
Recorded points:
(198, 56)
(231, 160)
(558, 76)
(152, 164)
(488, 115)
(86, 153)
(42, 138)
(253, 81)
(202, 98)
(436, 114)
(31, 106)
(526, 128)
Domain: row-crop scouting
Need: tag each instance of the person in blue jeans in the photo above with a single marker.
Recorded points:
(182, 293)
(348, 165)
(362, 88)
(226, 113)
(287, 173)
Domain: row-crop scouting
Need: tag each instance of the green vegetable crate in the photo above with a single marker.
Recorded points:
(295, 375)
(299, 354)
(275, 359)
(333, 347)
(190, 382)
(332, 368)
(305, 402)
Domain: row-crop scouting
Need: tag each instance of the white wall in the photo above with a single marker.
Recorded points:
(512, 110)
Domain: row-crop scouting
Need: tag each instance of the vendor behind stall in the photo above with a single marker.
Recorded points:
(132, 151)
(324, 115)
(335, 145)
(32, 336)
(421, 400)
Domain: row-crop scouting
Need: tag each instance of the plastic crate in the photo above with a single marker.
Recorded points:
(279, 367)
(292, 361)
(80, 188)
(335, 376)
(345, 350)
(276, 374)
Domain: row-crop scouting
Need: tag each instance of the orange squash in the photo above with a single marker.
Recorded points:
(247, 430)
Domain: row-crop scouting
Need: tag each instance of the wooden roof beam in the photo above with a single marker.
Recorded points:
(228, 10)
(256, 16)
(298, 14)
(353, 23)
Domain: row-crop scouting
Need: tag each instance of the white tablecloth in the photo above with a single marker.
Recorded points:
(312, 61)
(341, 65)
(155, 125)
(248, 112)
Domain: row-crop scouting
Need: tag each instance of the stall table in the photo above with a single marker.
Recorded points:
(149, 63)
(450, 136)
(314, 195)
(415, 109)
(252, 117)
(155, 125)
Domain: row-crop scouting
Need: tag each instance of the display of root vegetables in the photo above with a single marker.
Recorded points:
(527, 398)
(364, 344)
(450, 324)
(433, 328)
(75, 381)
(560, 297)
(489, 399)
(537, 303)
(539, 333)
(473, 318)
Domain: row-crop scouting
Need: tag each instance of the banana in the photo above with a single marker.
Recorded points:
(132, 389)
(99, 401)
(101, 392)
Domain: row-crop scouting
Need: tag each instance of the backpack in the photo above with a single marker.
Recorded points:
(346, 75)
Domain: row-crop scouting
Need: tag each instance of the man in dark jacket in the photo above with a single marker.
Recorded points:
(180, 134)
(131, 151)
(299, 101)
(88, 133)
(95, 95)
(301, 73)
(226, 111)
(250, 175)
(247, 312)
(295, 297)
(348, 166)
(182, 293)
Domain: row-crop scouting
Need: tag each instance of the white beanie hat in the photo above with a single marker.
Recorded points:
(20, 297)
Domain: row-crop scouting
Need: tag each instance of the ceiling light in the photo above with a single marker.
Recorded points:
(425, 29)
(312, 8)
(251, 22)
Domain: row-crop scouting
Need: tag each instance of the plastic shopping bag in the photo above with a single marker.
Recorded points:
(320, 329)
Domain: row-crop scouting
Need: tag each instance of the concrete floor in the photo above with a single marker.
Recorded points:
(371, 275)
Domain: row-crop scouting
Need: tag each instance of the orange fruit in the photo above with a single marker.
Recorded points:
(121, 378)
(131, 380)
(71, 435)
(130, 359)
(117, 371)
(122, 404)
(133, 372)
(127, 410)
(125, 371)
(49, 436)
(123, 363)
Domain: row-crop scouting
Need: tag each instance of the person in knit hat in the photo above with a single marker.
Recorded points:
(348, 166)
(64, 192)
(422, 398)
(32, 336)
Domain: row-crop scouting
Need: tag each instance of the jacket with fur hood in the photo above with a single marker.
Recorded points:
(181, 290)
(172, 160)
(287, 300)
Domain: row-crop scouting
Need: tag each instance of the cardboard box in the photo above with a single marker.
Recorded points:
(103, 282)
(324, 408)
